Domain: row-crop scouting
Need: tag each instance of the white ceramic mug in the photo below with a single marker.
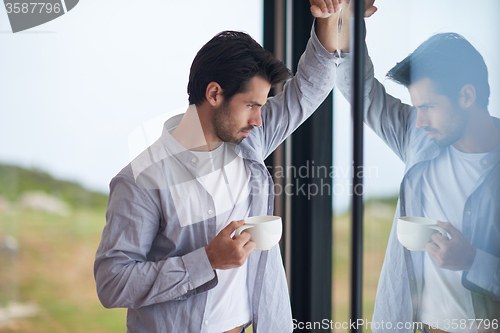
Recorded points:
(415, 232)
(265, 231)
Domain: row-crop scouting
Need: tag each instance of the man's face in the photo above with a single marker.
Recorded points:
(443, 120)
(233, 120)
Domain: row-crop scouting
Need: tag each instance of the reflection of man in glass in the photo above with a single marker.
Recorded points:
(451, 147)
(166, 252)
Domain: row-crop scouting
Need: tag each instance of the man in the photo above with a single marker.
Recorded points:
(451, 148)
(167, 251)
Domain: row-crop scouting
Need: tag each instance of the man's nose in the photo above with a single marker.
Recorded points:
(256, 120)
(422, 120)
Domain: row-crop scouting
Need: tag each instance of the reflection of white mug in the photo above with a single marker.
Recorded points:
(265, 231)
(415, 232)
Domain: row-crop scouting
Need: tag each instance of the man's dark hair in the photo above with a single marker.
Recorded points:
(451, 62)
(232, 59)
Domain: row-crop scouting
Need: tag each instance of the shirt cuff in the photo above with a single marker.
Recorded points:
(198, 268)
(483, 270)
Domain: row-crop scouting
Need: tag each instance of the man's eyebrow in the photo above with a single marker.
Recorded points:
(425, 105)
(254, 103)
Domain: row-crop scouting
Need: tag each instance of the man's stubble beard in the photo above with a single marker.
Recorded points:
(455, 130)
(223, 124)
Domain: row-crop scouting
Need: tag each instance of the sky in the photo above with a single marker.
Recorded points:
(74, 91)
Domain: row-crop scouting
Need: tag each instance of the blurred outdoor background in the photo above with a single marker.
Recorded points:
(74, 90)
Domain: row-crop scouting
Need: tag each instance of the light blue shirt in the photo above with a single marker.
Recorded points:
(156, 266)
(401, 279)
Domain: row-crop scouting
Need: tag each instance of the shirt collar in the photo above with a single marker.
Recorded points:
(174, 148)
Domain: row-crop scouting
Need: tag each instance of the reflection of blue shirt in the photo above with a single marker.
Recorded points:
(155, 264)
(400, 283)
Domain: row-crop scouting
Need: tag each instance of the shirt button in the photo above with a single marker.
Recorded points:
(193, 160)
(485, 162)
(206, 322)
(210, 211)
(467, 213)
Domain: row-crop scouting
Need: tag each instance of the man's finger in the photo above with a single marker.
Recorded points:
(316, 11)
(323, 6)
(439, 239)
(243, 238)
(370, 11)
(231, 227)
(435, 255)
(432, 248)
(249, 246)
(449, 227)
(331, 6)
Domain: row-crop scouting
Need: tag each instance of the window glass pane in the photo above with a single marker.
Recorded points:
(393, 32)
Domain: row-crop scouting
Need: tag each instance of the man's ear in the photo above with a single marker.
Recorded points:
(467, 96)
(213, 94)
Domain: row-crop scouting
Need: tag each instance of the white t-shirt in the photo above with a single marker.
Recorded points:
(223, 174)
(450, 178)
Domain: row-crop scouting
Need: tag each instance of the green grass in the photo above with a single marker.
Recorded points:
(378, 216)
(14, 181)
(55, 271)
